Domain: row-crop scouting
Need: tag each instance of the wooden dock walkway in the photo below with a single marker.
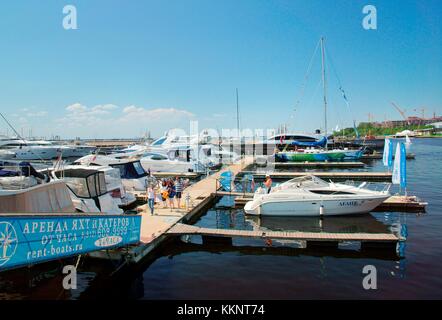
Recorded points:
(377, 156)
(360, 175)
(184, 229)
(319, 164)
(154, 227)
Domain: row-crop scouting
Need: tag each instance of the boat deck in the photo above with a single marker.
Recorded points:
(360, 176)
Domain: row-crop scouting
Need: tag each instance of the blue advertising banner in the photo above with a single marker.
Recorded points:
(29, 239)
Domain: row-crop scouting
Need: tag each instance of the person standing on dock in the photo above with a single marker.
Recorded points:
(151, 198)
(179, 191)
(164, 193)
(171, 193)
(268, 183)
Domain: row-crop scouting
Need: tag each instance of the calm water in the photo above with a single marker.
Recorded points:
(253, 269)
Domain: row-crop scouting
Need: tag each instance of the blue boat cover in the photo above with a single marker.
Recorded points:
(320, 143)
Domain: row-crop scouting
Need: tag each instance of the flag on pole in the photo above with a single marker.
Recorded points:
(400, 166)
(387, 157)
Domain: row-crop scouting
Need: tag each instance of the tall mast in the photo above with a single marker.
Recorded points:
(324, 86)
(237, 112)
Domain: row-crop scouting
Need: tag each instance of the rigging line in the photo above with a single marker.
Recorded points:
(306, 76)
(18, 135)
(339, 83)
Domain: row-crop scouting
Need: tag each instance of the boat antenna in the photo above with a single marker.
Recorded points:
(324, 86)
(237, 113)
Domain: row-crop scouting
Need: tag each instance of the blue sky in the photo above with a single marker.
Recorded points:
(136, 65)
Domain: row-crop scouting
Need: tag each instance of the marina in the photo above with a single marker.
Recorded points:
(167, 226)
(241, 151)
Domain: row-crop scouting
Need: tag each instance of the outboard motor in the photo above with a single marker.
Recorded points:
(28, 170)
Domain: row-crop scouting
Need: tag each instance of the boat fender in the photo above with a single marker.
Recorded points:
(321, 210)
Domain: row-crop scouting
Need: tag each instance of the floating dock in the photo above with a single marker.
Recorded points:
(180, 229)
(402, 204)
(360, 175)
(186, 229)
(377, 156)
(318, 164)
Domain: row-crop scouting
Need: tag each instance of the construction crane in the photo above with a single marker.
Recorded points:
(402, 112)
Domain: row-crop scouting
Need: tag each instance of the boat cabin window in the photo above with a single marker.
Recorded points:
(329, 192)
(158, 157)
(207, 151)
(159, 142)
(181, 154)
(85, 185)
(130, 170)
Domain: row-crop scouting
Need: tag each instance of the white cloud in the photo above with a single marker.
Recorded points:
(108, 120)
(37, 114)
(76, 108)
(155, 114)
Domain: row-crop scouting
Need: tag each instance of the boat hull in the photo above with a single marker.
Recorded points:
(310, 208)
(319, 156)
(166, 166)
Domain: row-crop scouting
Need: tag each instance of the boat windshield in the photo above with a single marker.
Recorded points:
(308, 181)
(91, 186)
(130, 170)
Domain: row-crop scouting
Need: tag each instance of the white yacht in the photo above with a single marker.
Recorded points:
(88, 190)
(157, 162)
(20, 149)
(311, 196)
(114, 185)
(132, 173)
(23, 190)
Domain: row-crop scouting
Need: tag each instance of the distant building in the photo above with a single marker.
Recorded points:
(402, 123)
(437, 125)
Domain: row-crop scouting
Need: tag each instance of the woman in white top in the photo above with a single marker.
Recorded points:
(151, 198)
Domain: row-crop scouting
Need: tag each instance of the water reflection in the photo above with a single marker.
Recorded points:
(346, 224)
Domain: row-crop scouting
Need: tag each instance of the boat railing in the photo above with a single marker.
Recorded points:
(373, 186)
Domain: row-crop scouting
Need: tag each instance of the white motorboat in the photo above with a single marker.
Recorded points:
(311, 196)
(24, 190)
(88, 190)
(132, 173)
(6, 154)
(114, 184)
(156, 162)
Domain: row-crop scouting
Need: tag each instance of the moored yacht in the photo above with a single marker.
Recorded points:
(132, 173)
(311, 196)
(24, 190)
(88, 190)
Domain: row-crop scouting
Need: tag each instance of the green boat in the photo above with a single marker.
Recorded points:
(317, 155)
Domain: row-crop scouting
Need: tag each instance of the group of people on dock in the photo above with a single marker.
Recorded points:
(169, 191)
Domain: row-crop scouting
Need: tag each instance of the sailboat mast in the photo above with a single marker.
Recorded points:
(324, 86)
(237, 111)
